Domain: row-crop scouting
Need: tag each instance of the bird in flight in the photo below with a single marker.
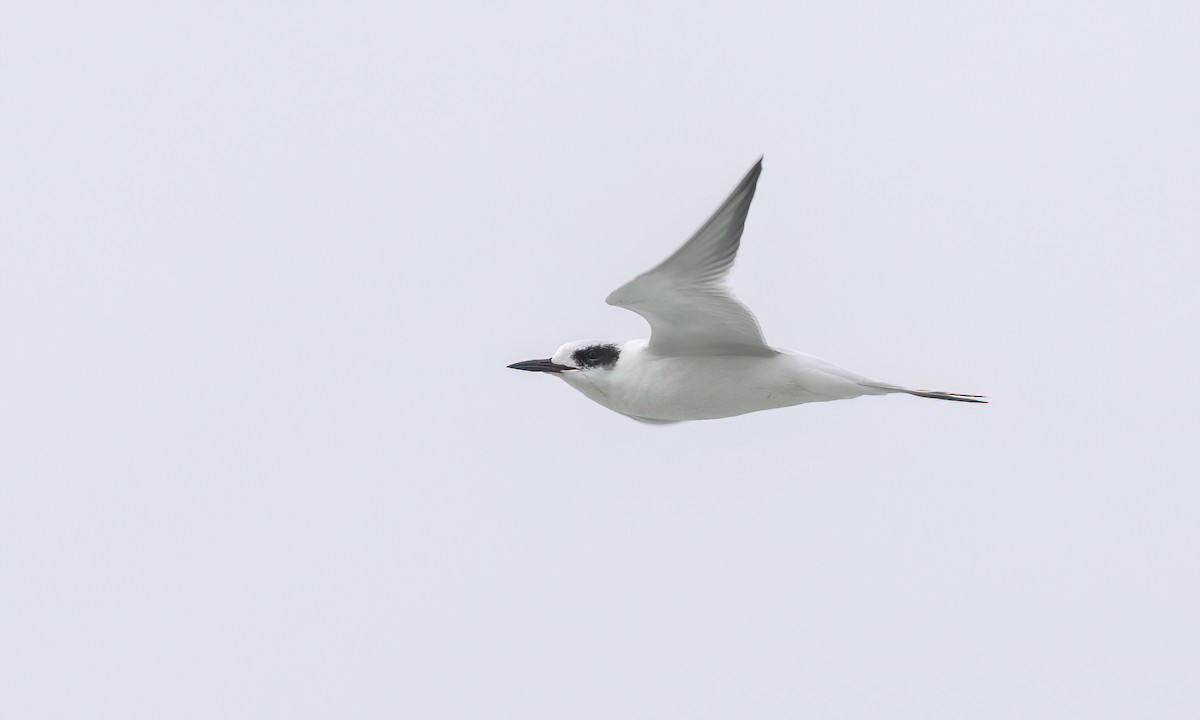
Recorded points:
(706, 357)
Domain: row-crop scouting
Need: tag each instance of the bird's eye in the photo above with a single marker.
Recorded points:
(596, 356)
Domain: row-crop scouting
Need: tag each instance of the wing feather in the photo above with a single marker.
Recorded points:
(685, 299)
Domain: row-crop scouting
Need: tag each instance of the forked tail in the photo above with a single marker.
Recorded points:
(938, 395)
(935, 394)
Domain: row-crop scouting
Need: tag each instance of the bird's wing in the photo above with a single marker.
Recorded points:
(690, 309)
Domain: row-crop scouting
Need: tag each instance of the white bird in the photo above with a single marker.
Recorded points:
(706, 357)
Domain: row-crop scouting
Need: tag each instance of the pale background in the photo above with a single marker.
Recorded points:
(262, 266)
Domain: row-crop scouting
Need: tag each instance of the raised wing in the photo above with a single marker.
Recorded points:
(690, 309)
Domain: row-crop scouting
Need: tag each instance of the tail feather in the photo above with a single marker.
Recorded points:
(935, 394)
(957, 397)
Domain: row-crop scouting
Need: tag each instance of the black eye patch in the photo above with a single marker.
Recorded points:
(596, 356)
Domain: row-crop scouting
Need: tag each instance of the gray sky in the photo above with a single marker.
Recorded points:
(262, 266)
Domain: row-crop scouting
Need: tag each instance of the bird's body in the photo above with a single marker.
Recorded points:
(706, 357)
(654, 388)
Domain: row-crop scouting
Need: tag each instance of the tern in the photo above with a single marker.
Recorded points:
(706, 357)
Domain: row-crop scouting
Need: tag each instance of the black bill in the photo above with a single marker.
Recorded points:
(540, 366)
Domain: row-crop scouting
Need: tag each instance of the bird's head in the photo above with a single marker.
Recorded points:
(582, 356)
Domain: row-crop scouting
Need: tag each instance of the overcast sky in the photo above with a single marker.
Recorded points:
(262, 266)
